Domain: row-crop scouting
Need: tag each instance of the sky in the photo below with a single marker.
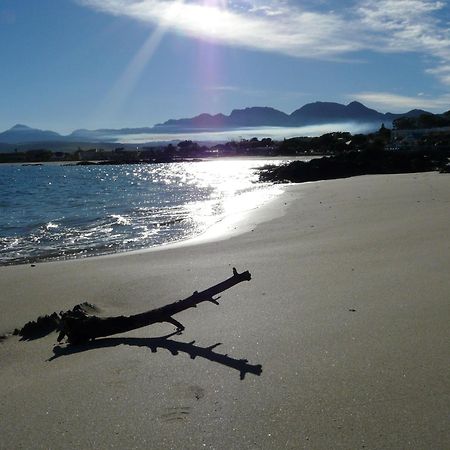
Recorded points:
(68, 64)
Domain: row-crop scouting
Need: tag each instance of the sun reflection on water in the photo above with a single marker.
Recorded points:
(210, 191)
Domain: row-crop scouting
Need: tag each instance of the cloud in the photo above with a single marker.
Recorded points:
(400, 103)
(271, 26)
(382, 26)
(410, 26)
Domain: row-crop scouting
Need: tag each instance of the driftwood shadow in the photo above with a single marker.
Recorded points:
(174, 347)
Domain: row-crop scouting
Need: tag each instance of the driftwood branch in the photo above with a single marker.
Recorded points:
(79, 327)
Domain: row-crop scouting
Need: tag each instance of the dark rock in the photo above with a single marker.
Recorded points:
(351, 164)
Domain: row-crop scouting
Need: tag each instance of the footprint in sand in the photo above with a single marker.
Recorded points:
(183, 395)
(176, 414)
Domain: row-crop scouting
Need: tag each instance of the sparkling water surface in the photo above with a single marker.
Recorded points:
(57, 212)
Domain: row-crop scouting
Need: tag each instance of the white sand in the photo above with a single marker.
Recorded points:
(376, 377)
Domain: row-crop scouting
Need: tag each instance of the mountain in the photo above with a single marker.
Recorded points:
(317, 113)
(327, 112)
(203, 121)
(412, 114)
(258, 117)
(19, 134)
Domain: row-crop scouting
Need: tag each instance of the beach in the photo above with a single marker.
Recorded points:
(346, 313)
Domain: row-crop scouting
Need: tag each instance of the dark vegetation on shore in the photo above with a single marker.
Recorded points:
(384, 152)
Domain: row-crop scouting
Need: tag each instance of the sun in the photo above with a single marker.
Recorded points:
(204, 16)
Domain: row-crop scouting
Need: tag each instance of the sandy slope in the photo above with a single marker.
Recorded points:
(347, 313)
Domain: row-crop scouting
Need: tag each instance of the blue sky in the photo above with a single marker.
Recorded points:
(67, 64)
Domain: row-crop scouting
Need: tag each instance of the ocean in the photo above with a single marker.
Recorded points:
(53, 211)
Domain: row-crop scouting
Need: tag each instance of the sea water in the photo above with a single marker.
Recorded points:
(53, 211)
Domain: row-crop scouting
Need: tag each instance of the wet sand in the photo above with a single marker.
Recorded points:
(347, 314)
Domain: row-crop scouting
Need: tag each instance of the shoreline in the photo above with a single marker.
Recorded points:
(195, 222)
(346, 312)
(226, 226)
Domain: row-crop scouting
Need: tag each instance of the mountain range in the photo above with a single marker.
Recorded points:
(317, 113)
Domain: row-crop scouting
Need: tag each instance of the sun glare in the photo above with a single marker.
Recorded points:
(207, 15)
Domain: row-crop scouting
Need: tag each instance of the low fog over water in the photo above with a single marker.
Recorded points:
(276, 133)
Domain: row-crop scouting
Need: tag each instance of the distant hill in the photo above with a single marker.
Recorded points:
(239, 118)
(258, 117)
(327, 112)
(22, 134)
(317, 113)
(413, 113)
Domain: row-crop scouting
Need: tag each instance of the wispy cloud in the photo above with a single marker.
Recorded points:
(401, 103)
(410, 26)
(382, 26)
